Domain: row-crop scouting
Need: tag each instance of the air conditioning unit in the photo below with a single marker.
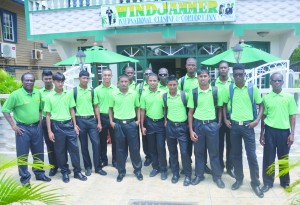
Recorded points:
(8, 50)
(37, 54)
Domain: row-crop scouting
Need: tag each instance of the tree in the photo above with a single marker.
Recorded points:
(8, 83)
(295, 57)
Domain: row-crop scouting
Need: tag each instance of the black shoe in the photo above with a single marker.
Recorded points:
(139, 176)
(207, 170)
(266, 188)
(236, 185)
(44, 179)
(220, 183)
(65, 178)
(101, 172)
(175, 178)
(80, 176)
(114, 164)
(284, 185)
(187, 181)
(182, 172)
(153, 173)
(163, 175)
(197, 180)
(147, 162)
(104, 164)
(257, 191)
(69, 171)
(230, 172)
(52, 172)
(27, 185)
(120, 177)
(88, 172)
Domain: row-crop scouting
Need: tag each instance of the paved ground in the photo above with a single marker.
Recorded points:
(105, 190)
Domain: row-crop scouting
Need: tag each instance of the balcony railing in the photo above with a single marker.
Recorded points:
(40, 5)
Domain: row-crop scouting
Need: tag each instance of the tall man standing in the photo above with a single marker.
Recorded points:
(88, 120)
(129, 71)
(25, 103)
(103, 94)
(243, 99)
(163, 75)
(124, 117)
(277, 129)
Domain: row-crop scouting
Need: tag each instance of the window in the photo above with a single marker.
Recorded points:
(9, 26)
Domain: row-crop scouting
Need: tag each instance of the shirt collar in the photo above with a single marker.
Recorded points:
(80, 88)
(187, 77)
(218, 81)
(25, 92)
(202, 91)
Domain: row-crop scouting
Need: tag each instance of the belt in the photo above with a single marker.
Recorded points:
(103, 114)
(61, 122)
(85, 117)
(206, 121)
(126, 121)
(177, 123)
(241, 123)
(155, 120)
(31, 125)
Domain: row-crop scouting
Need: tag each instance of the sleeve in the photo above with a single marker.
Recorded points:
(257, 95)
(225, 95)
(137, 102)
(41, 102)
(143, 102)
(71, 100)
(220, 97)
(111, 101)
(96, 101)
(9, 104)
(47, 106)
(265, 105)
(190, 101)
(292, 106)
(179, 84)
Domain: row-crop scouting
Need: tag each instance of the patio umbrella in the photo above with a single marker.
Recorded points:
(98, 54)
(249, 55)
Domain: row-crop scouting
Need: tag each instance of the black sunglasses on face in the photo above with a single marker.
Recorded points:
(162, 74)
(276, 81)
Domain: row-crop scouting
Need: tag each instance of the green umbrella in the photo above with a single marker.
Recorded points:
(249, 55)
(98, 54)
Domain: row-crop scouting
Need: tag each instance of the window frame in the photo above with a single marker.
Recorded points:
(14, 26)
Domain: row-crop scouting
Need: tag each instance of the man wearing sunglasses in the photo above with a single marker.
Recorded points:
(163, 75)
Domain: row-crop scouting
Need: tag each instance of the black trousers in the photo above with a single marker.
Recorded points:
(178, 134)
(103, 139)
(88, 127)
(31, 139)
(237, 134)
(275, 143)
(208, 139)
(224, 134)
(66, 140)
(156, 136)
(49, 144)
(126, 135)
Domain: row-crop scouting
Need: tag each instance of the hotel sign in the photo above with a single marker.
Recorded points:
(167, 12)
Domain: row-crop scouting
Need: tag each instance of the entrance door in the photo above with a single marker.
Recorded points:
(175, 66)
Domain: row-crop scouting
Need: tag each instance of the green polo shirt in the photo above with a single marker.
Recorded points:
(144, 87)
(124, 105)
(205, 104)
(222, 87)
(278, 108)
(176, 109)
(241, 105)
(132, 85)
(59, 104)
(25, 106)
(153, 104)
(103, 95)
(189, 83)
(44, 92)
(83, 102)
(162, 87)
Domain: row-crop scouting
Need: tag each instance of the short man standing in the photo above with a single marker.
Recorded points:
(222, 83)
(152, 125)
(177, 130)
(59, 106)
(204, 127)
(163, 75)
(124, 117)
(243, 99)
(277, 130)
(103, 94)
(86, 111)
(25, 103)
(129, 71)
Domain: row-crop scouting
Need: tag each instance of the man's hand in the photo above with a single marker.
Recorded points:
(112, 124)
(144, 131)
(228, 123)
(18, 130)
(290, 140)
(252, 124)
(99, 126)
(51, 136)
(137, 122)
(262, 139)
(77, 129)
(194, 137)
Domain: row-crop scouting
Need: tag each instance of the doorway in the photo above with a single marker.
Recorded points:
(175, 66)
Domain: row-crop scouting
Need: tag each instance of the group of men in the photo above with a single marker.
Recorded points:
(193, 111)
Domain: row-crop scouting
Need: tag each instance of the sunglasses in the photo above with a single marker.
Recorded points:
(162, 74)
(276, 81)
(147, 73)
(238, 75)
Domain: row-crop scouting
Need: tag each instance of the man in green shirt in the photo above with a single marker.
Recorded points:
(277, 129)
(163, 75)
(204, 127)
(124, 117)
(152, 126)
(177, 131)
(59, 108)
(25, 103)
(129, 71)
(88, 120)
(241, 124)
(103, 94)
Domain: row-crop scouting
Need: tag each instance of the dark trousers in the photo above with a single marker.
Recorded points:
(224, 134)
(178, 134)
(88, 127)
(103, 139)
(275, 142)
(156, 137)
(31, 139)
(66, 140)
(126, 135)
(208, 139)
(237, 134)
(50, 145)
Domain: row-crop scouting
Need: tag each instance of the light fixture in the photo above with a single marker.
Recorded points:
(81, 40)
(80, 55)
(262, 33)
(237, 50)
